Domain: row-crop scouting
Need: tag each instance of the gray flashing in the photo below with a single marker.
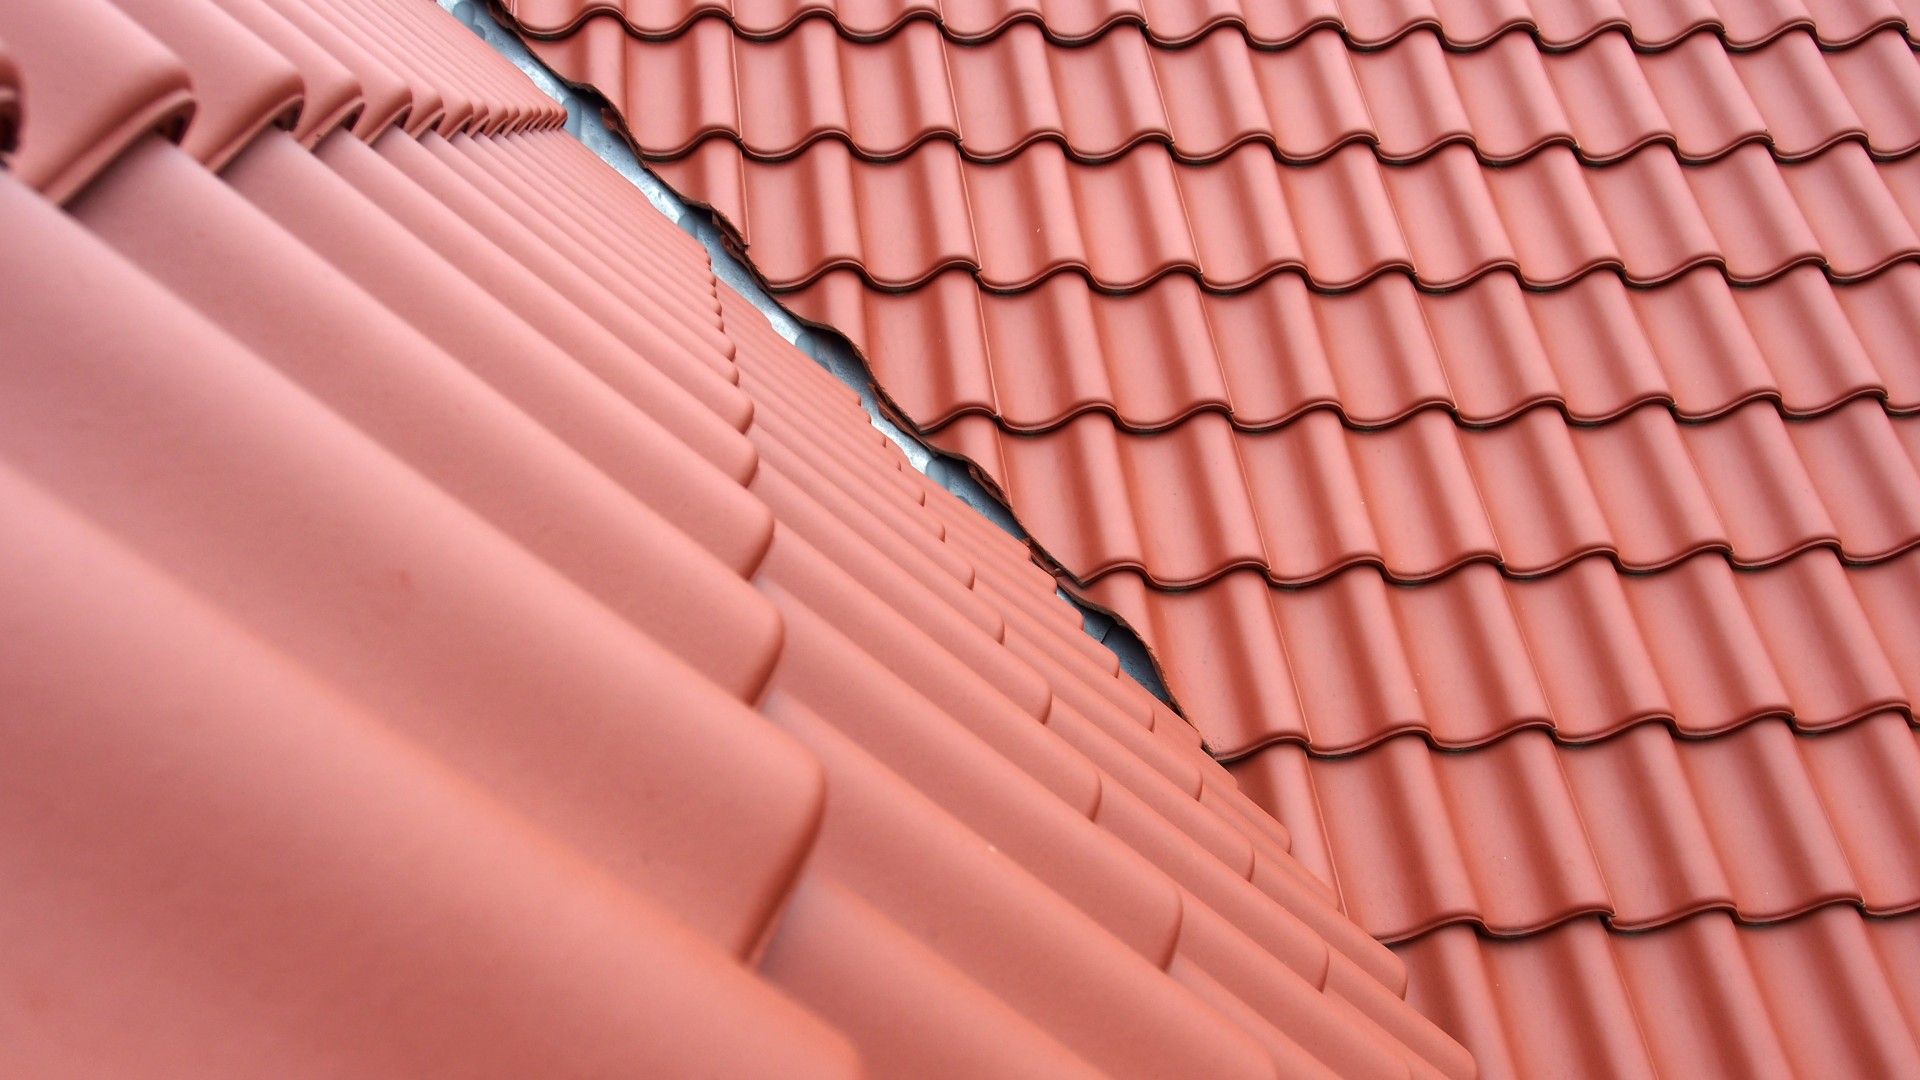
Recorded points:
(829, 350)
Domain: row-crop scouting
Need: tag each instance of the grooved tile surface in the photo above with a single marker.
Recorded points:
(1495, 418)
(451, 633)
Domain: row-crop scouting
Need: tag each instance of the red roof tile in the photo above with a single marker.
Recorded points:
(1506, 102)
(1557, 24)
(1592, 465)
(1586, 651)
(1341, 223)
(628, 692)
(1609, 1001)
(1488, 352)
(1424, 497)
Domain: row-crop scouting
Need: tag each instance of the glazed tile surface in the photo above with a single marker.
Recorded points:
(1496, 419)
(452, 632)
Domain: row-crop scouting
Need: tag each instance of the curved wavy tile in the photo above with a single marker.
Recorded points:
(1342, 222)
(1644, 829)
(1703, 997)
(1585, 652)
(1464, 24)
(1506, 102)
(1425, 496)
(1375, 355)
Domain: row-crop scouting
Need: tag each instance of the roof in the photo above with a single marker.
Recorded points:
(1496, 418)
(451, 632)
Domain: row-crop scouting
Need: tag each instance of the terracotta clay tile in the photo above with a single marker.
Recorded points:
(1703, 996)
(1220, 94)
(501, 348)
(1555, 23)
(910, 1010)
(1021, 696)
(880, 825)
(1505, 101)
(1266, 233)
(1789, 857)
(630, 985)
(1879, 591)
(1342, 222)
(113, 88)
(606, 394)
(509, 164)
(1057, 231)
(1700, 644)
(389, 98)
(541, 777)
(1674, 827)
(1423, 497)
(1857, 676)
(522, 201)
(1352, 190)
(241, 85)
(1598, 671)
(613, 350)
(479, 442)
(1097, 100)
(330, 95)
(440, 102)
(1661, 824)
(425, 102)
(1020, 846)
(1666, 340)
(1878, 79)
(1865, 776)
(1487, 351)
(1325, 1024)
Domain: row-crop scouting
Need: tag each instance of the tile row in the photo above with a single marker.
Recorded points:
(1462, 24)
(1831, 994)
(1445, 220)
(1584, 653)
(1506, 101)
(422, 395)
(1376, 355)
(1425, 497)
(1557, 756)
(1643, 829)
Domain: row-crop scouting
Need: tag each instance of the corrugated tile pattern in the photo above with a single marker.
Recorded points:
(1425, 497)
(1463, 24)
(1492, 417)
(1505, 102)
(452, 632)
(1343, 222)
(1578, 993)
(1487, 352)
(1644, 828)
(1586, 652)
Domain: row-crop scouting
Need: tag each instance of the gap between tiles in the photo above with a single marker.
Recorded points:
(829, 350)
